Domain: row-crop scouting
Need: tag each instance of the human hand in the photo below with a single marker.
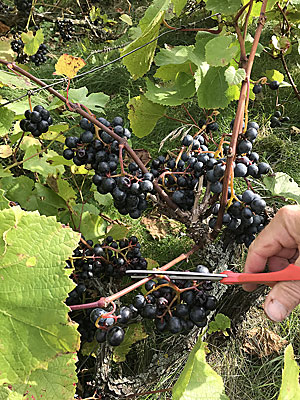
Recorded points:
(277, 246)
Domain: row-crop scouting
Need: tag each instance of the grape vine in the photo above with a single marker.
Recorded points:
(205, 183)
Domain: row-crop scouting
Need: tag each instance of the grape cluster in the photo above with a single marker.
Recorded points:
(66, 29)
(37, 121)
(24, 6)
(129, 191)
(245, 213)
(277, 119)
(109, 259)
(40, 56)
(244, 217)
(17, 46)
(176, 306)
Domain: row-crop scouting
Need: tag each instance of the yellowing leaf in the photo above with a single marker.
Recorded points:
(32, 42)
(5, 151)
(126, 18)
(69, 65)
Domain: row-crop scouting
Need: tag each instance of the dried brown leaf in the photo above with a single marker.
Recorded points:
(262, 342)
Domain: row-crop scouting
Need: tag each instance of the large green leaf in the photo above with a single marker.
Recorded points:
(174, 55)
(172, 95)
(220, 51)
(290, 388)
(225, 7)
(12, 80)
(198, 381)
(202, 39)
(18, 189)
(45, 200)
(94, 101)
(235, 76)
(178, 6)
(281, 184)
(34, 283)
(43, 164)
(169, 72)
(143, 115)
(6, 119)
(86, 219)
(212, 90)
(139, 62)
(48, 384)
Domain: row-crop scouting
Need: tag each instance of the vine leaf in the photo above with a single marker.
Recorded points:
(220, 324)
(6, 52)
(32, 42)
(62, 188)
(68, 65)
(134, 333)
(16, 81)
(174, 95)
(42, 165)
(212, 90)
(143, 115)
(220, 51)
(281, 184)
(235, 76)
(7, 118)
(33, 316)
(87, 218)
(198, 381)
(225, 7)
(169, 72)
(5, 151)
(4, 202)
(175, 55)
(118, 232)
(138, 63)
(45, 200)
(290, 388)
(178, 6)
(95, 101)
(48, 384)
(274, 75)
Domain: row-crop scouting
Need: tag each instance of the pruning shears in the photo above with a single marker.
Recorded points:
(290, 273)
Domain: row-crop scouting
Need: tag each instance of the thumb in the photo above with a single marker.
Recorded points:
(282, 299)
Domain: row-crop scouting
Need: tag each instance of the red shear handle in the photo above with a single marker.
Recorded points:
(290, 273)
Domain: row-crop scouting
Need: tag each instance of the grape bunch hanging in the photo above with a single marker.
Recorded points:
(36, 121)
(66, 29)
(102, 154)
(23, 6)
(175, 306)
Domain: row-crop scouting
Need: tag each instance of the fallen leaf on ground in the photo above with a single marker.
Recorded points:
(262, 342)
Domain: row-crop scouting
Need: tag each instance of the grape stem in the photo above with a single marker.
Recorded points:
(238, 121)
(104, 301)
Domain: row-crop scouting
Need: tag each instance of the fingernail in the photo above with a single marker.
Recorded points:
(276, 311)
